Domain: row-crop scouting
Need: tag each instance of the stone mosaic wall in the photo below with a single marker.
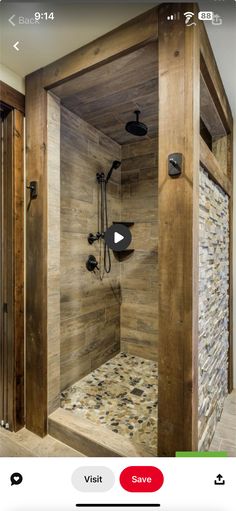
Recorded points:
(213, 305)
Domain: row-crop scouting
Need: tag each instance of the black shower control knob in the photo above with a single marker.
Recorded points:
(175, 164)
(91, 263)
(94, 237)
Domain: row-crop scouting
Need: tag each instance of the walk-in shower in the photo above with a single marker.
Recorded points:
(109, 296)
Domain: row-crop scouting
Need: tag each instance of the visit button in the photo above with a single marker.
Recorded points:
(141, 479)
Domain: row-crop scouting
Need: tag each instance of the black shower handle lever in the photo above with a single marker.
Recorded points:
(92, 264)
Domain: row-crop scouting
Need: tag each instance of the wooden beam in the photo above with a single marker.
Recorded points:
(213, 80)
(18, 270)
(210, 163)
(129, 36)
(12, 270)
(205, 134)
(12, 97)
(8, 276)
(179, 116)
(36, 256)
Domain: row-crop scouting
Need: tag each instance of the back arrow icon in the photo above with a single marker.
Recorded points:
(16, 46)
(10, 20)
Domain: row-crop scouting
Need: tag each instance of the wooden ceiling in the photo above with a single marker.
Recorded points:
(107, 96)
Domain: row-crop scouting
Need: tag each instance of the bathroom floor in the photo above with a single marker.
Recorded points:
(121, 395)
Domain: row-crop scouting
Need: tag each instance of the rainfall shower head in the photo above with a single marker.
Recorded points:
(115, 165)
(136, 127)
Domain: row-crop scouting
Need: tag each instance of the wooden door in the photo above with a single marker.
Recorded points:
(12, 269)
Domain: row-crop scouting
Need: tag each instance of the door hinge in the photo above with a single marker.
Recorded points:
(5, 308)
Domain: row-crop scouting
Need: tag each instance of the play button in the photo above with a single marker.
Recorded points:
(118, 237)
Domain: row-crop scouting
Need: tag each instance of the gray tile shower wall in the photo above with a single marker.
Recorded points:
(139, 273)
(90, 308)
(213, 305)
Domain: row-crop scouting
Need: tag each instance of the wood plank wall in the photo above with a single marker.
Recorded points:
(139, 273)
(90, 308)
(53, 277)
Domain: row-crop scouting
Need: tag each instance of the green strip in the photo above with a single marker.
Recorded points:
(196, 454)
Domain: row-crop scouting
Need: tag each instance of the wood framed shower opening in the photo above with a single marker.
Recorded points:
(183, 56)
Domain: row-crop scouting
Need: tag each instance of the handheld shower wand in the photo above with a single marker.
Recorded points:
(115, 165)
(103, 216)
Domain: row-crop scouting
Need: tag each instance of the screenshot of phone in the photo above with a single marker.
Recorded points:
(117, 262)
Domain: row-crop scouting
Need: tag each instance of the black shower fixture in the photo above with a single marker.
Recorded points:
(137, 128)
(115, 165)
(91, 263)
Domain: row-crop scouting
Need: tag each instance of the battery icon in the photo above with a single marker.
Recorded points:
(205, 15)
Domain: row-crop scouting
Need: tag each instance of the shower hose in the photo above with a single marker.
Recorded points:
(104, 226)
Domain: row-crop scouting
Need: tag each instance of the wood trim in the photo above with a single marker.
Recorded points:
(8, 276)
(179, 119)
(18, 268)
(129, 36)
(213, 80)
(12, 97)
(210, 163)
(36, 257)
(13, 270)
(205, 134)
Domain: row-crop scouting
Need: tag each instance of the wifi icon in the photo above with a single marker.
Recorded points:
(188, 17)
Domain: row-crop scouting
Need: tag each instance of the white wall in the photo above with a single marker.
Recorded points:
(8, 76)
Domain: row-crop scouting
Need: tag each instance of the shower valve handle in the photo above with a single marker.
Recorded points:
(92, 263)
(93, 237)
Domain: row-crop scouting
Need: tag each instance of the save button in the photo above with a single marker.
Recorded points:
(141, 479)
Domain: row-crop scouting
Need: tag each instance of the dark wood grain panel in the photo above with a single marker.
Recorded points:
(12, 97)
(18, 269)
(8, 277)
(12, 271)
(36, 257)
